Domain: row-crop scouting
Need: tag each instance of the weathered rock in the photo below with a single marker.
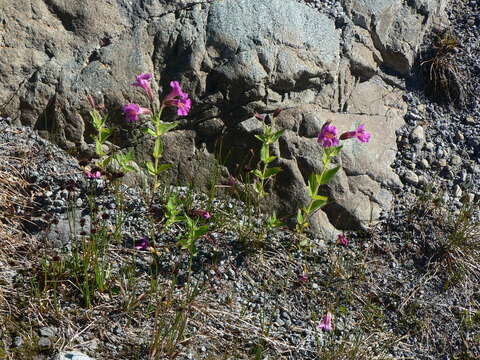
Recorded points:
(234, 58)
(396, 26)
(72, 355)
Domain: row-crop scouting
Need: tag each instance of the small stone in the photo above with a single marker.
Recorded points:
(410, 177)
(442, 163)
(470, 120)
(429, 146)
(79, 202)
(418, 136)
(47, 331)
(456, 160)
(413, 116)
(459, 136)
(18, 341)
(457, 191)
(44, 342)
(422, 180)
(424, 164)
(72, 355)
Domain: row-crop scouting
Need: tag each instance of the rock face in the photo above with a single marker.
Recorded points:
(235, 57)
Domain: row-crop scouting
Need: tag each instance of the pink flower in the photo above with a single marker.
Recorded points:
(342, 240)
(231, 181)
(142, 244)
(328, 135)
(203, 213)
(303, 277)
(143, 81)
(359, 133)
(326, 323)
(132, 111)
(93, 174)
(178, 99)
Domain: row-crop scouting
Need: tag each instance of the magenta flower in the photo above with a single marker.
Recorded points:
(142, 244)
(93, 174)
(203, 213)
(359, 133)
(231, 181)
(303, 277)
(328, 135)
(143, 81)
(342, 240)
(178, 99)
(132, 111)
(326, 323)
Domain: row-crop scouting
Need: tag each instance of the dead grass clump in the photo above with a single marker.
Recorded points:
(14, 198)
(441, 72)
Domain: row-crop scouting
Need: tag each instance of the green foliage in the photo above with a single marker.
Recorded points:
(194, 232)
(315, 181)
(265, 173)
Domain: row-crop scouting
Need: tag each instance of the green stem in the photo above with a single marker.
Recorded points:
(157, 159)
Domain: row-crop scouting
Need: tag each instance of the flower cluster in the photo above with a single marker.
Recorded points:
(328, 135)
(342, 240)
(176, 98)
(326, 323)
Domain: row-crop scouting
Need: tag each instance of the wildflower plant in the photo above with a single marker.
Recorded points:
(330, 143)
(176, 98)
(265, 173)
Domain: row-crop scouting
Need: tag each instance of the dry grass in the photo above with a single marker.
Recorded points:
(444, 80)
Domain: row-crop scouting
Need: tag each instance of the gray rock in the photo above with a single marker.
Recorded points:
(410, 177)
(44, 342)
(418, 137)
(47, 331)
(72, 355)
(456, 160)
(457, 191)
(429, 146)
(424, 164)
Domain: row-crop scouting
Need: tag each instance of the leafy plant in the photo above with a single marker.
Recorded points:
(265, 172)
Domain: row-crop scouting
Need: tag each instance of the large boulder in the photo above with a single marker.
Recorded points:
(235, 58)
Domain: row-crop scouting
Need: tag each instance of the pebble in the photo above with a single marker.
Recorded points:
(457, 191)
(424, 164)
(418, 135)
(44, 342)
(410, 177)
(456, 160)
(47, 331)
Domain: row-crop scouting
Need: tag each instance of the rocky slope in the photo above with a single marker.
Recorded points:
(407, 288)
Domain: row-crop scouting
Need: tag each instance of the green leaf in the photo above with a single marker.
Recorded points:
(317, 204)
(312, 184)
(98, 148)
(299, 216)
(328, 175)
(200, 231)
(162, 128)
(270, 159)
(320, 197)
(272, 171)
(163, 167)
(151, 168)
(149, 132)
(276, 135)
(264, 153)
(127, 168)
(257, 173)
(158, 148)
(98, 121)
(258, 187)
(103, 134)
(261, 138)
